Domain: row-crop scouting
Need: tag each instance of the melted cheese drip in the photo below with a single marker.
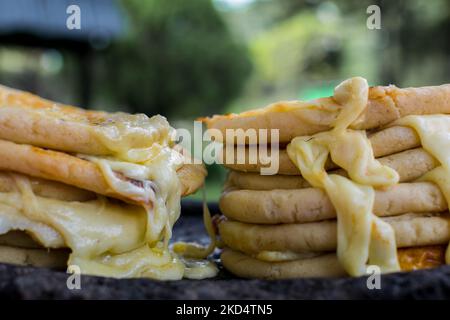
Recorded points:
(131, 137)
(362, 237)
(106, 238)
(160, 194)
(194, 250)
(434, 133)
(139, 148)
(195, 254)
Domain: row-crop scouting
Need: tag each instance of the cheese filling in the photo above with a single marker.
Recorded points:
(434, 134)
(135, 155)
(109, 238)
(132, 137)
(363, 238)
(159, 192)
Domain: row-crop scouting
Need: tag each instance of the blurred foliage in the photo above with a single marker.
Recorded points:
(178, 60)
(302, 48)
(187, 59)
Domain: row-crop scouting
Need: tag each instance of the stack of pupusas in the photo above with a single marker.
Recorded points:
(363, 180)
(96, 190)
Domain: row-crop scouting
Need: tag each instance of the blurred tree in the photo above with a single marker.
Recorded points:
(179, 60)
(413, 48)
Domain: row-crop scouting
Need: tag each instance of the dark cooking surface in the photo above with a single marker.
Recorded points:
(35, 283)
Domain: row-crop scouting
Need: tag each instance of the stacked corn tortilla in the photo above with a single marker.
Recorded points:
(279, 226)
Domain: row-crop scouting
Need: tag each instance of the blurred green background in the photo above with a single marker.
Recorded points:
(186, 59)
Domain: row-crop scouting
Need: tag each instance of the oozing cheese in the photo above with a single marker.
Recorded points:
(362, 237)
(131, 137)
(194, 250)
(434, 133)
(159, 192)
(135, 155)
(159, 189)
(106, 238)
(194, 254)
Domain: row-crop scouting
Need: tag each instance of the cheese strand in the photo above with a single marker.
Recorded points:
(362, 237)
(434, 134)
(194, 255)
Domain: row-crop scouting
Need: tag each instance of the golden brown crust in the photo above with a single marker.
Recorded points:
(71, 170)
(421, 257)
(28, 119)
(326, 265)
(312, 204)
(19, 123)
(411, 230)
(293, 119)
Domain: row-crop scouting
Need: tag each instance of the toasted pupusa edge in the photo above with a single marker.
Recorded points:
(312, 204)
(411, 230)
(295, 118)
(326, 265)
(29, 119)
(71, 170)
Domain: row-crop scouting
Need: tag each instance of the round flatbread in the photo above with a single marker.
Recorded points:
(384, 142)
(255, 181)
(326, 265)
(411, 230)
(296, 118)
(312, 204)
(409, 164)
(241, 265)
(74, 171)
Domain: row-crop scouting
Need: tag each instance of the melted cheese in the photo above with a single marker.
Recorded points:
(132, 137)
(195, 254)
(106, 238)
(138, 161)
(194, 250)
(362, 237)
(159, 192)
(434, 133)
